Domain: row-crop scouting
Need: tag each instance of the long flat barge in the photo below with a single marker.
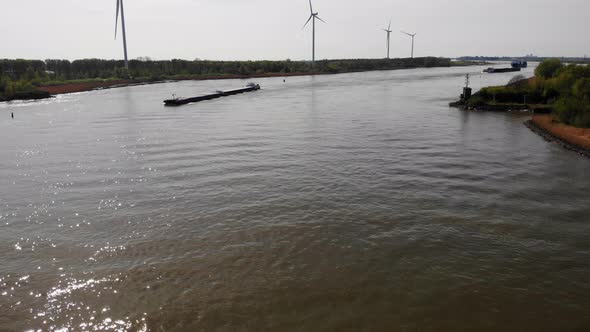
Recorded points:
(183, 101)
(500, 70)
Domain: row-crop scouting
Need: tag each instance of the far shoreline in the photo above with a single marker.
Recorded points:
(93, 86)
(76, 87)
(44, 79)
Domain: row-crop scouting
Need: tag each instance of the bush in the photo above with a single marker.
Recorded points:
(502, 94)
(476, 101)
(582, 89)
(9, 90)
(518, 81)
(3, 82)
(573, 111)
(548, 68)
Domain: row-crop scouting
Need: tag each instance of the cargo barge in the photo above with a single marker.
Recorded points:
(500, 70)
(183, 101)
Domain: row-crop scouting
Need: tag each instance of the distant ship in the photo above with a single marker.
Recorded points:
(519, 64)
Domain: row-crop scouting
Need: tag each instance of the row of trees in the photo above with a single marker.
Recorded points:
(62, 70)
(571, 87)
(16, 75)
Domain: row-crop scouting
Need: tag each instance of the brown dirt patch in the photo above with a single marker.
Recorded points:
(570, 134)
(88, 86)
(80, 87)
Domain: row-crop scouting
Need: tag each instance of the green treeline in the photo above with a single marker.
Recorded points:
(24, 75)
(566, 88)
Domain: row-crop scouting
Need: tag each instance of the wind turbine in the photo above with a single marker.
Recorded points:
(411, 35)
(313, 17)
(120, 6)
(388, 30)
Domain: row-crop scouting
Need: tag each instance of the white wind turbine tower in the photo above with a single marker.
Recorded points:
(388, 30)
(120, 7)
(313, 17)
(411, 35)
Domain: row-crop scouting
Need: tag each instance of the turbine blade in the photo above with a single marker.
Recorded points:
(320, 19)
(406, 33)
(309, 19)
(117, 19)
(310, 7)
(389, 27)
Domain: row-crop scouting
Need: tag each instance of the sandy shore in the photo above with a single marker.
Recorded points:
(571, 138)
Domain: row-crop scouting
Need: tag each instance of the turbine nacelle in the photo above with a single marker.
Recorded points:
(389, 27)
(313, 16)
(388, 30)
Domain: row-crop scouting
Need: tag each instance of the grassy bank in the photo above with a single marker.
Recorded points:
(561, 89)
(26, 76)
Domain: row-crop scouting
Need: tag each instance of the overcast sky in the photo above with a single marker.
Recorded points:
(271, 29)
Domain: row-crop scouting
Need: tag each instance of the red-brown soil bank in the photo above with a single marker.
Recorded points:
(80, 87)
(88, 86)
(572, 138)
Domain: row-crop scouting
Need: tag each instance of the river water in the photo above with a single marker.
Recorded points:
(357, 202)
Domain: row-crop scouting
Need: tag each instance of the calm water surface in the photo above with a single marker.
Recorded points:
(356, 202)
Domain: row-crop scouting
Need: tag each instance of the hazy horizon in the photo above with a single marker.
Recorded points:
(272, 30)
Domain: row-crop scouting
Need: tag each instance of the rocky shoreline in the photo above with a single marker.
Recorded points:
(570, 141)
(31, 95)
(485, 107)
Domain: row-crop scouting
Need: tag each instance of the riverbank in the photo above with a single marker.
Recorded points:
(569, 137)
(111, 84)
(57, 89)
(502, 107)
(89, 86)
(560, 89)
(509, 98)
(63, 76)
(28, 95)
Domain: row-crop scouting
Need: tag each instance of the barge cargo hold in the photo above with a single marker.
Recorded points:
(183, 101)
